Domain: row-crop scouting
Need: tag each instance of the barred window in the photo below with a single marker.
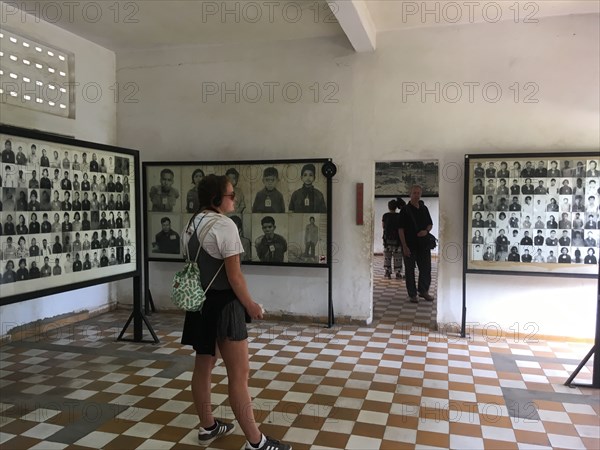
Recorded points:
(36, 76)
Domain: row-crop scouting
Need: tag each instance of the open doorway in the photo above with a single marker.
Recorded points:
(393, 180)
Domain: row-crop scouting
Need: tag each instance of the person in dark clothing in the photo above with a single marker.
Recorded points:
(270, 247)
(391, 241)
(166, 240)
(415, 225)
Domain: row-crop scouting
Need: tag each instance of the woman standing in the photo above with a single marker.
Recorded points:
(220, 328)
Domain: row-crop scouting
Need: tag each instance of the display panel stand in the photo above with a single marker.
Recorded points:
(137, 315)
(330, 316)
(148, 300)
(595, 350)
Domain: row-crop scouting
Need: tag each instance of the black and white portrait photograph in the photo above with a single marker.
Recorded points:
(164, 193)
(165, 235)
(539, 212)
(46, 214)
(281, 209)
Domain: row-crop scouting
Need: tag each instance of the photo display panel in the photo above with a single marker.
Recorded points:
(394, 179)
(533, 213)
(68, 214)
(281, 208)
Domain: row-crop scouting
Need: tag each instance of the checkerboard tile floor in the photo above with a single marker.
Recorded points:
(390, 299)
(391, 385)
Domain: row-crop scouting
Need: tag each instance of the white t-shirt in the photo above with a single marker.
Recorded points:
(221, 241)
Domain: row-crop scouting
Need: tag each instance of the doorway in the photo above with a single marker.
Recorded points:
(393, 179)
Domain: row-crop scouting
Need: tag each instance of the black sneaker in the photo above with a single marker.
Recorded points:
(222, 429)
(270, 444)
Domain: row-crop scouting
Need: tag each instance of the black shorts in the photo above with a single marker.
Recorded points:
(222, 317)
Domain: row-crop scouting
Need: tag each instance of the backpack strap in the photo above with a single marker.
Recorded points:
(201, 238)
(414, 221)
(204, 232)
(187, 249)
(213, 278)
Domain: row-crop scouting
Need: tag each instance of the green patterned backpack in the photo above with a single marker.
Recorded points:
(186, 290)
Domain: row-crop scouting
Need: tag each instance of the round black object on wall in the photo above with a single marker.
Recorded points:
(329, 169)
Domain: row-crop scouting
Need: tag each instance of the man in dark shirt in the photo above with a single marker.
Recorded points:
(46, 225)
(564, 222)
(489, 254)
(118, 185)
(528, 170)
(552, 240)
(45, 182)
(526, 257)
(515, 189)
(56, 270)
(8, 156)
(9, 226)
(553, 171)
(490, 172)
(501, 245)
(65, 183)
(76, 206)
(66, 204)
(103, 258)
(307, 199)
(34, 271)
(478, 170)
(271, 247)
(490, 222)
(77, 265)
(44, 161)
(87, 264)
(166, 240)
(539, 239)
(34, 250)
(503, 172)
(565, 240)
(94, 163)
(526, 239)
(540, 170)
(540, 189)
(85, 204)
(527, 188)
(415, 225)
(57, 247)
(110, 186)
(478, 188)
(514, 255)
(46, 270)
(85, 184)
(515, 206)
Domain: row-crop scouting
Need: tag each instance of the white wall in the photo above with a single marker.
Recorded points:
(374, 121)
(95, 121)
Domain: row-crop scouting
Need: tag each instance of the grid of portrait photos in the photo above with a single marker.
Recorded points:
(534, 214)
(67, 214)
(281, 209)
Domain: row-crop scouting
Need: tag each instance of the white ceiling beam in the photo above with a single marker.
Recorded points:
(356, 21)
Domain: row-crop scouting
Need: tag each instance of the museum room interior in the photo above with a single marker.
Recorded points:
(359, 82)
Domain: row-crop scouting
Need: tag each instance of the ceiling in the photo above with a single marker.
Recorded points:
(394, 15)
(143, 24)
